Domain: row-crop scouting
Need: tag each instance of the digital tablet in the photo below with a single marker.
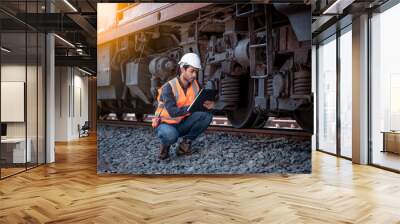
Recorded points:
(204, 95)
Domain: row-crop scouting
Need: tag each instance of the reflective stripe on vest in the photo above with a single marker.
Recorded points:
(174, 85)
(181, 99)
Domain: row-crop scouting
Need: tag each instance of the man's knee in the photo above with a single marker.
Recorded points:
(204, 118)
(208, 117)
(168, 135)
(200, 115)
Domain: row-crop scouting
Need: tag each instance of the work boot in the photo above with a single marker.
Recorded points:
(164, 152)
(184, 147)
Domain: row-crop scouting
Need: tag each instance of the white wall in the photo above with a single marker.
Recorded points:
(71, 93)
(33, 126)
(12, 73)
(61, 103)
(80, 97)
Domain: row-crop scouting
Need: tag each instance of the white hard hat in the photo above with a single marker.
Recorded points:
(190, 59)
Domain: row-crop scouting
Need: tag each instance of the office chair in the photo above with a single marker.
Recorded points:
(84, 130)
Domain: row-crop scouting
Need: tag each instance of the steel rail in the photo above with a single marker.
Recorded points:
(224, 129)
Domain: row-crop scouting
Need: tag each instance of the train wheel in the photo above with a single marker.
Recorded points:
(305, 118)
(260, 121)
(101, 111)
(139, 116)
(244, 116)
(120, 116)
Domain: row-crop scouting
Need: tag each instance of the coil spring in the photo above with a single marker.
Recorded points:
(230, 89)
(270, 86)
(302, 83)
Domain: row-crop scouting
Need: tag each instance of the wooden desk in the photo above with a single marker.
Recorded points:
(391, 141)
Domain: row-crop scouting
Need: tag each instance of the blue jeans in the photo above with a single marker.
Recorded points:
(191, 127)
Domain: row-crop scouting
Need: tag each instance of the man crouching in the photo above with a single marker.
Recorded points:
(174, 98)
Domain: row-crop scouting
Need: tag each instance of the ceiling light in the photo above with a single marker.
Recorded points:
(5, 50)
(65, 41)
(84, 71)
(70, 5)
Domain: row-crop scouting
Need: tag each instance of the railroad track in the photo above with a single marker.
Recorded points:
(217, 129)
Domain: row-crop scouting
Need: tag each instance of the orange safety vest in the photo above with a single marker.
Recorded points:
(181, 98)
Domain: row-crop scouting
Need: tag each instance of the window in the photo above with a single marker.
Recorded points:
(327, 95)
(346, 92)
(385, 84)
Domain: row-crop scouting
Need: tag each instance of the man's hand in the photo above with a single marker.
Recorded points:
(209, 104)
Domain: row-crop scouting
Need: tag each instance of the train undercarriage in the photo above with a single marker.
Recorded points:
(257, 56)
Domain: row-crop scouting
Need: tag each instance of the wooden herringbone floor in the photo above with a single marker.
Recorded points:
(70, 191)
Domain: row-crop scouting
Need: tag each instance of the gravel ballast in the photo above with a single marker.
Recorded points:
(135, 150)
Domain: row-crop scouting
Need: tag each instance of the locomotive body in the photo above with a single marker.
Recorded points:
(258, 57)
